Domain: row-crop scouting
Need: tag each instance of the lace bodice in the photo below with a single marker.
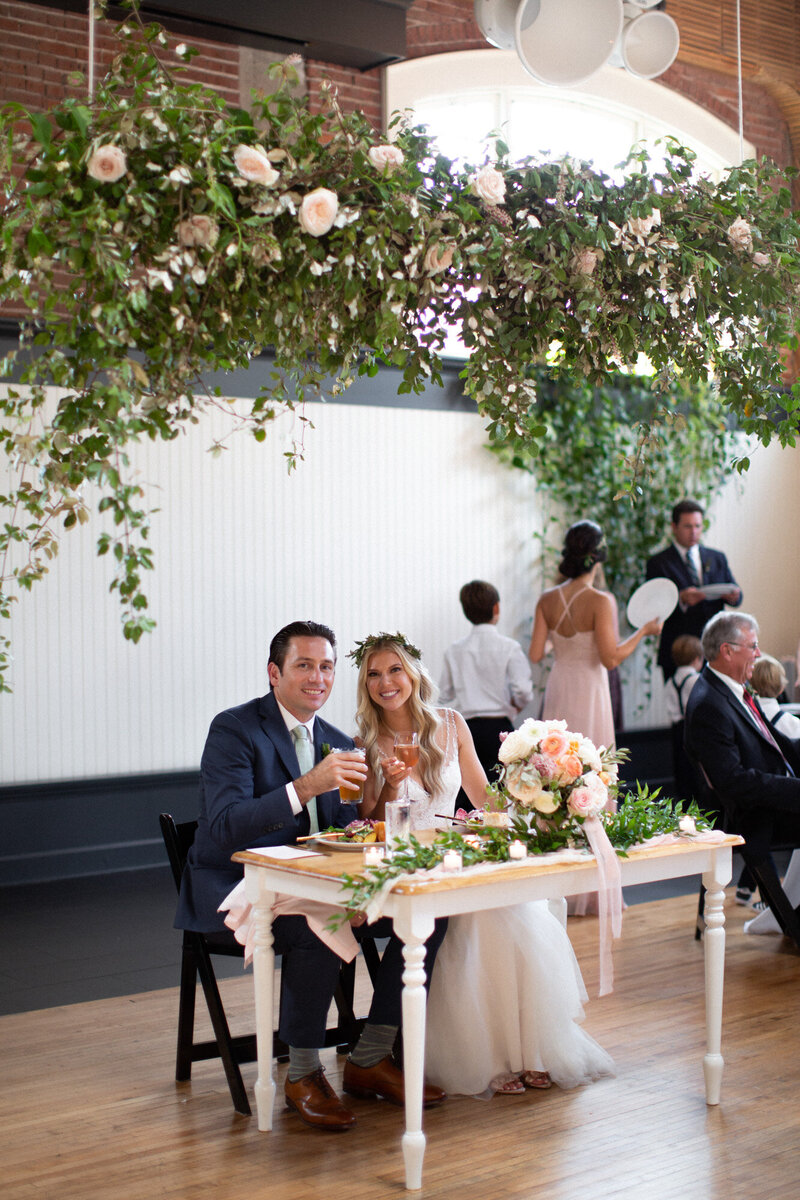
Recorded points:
(424, 805)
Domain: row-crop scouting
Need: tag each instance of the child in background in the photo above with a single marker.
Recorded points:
(769, 680)
(687, 654)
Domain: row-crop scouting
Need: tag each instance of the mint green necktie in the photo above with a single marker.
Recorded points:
(305, 759)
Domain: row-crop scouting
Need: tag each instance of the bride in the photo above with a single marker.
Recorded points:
(509, 975)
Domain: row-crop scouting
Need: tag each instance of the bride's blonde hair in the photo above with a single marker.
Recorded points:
(422, 715)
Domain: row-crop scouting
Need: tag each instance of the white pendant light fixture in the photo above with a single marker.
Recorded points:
(649, 41)
(564, 42)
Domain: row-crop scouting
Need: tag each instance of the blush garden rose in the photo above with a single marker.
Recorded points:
(489, 185)
(438, 258)
(107, 164)
(386, 158)
(318, 211)
(254, 166)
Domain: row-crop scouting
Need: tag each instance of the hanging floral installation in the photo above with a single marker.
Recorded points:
(156, 235)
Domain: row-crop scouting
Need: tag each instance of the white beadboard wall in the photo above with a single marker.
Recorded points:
(391, 511)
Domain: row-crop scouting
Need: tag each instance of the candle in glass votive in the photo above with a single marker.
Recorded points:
(373, 856)
(451, 860)
(517, 849)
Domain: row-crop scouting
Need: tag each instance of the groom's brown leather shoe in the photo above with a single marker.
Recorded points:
(316, 1103)
(386, 1081)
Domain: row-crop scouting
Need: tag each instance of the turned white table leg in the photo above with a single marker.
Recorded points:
(714, 882)
(414, 933)
(262, 901)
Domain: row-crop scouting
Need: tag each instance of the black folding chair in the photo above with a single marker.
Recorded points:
(196, 955)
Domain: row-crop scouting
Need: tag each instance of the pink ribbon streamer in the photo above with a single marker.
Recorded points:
(609, 897)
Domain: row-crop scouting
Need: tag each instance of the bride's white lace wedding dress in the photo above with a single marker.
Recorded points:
(506, 992)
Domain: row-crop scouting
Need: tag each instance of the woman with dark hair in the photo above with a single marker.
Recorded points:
(580, 621)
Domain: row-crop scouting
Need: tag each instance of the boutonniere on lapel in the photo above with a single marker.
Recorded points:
(326, 749)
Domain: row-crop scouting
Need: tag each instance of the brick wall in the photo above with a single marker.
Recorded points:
(41, 46)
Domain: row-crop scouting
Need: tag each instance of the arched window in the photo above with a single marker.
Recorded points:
(464, 96)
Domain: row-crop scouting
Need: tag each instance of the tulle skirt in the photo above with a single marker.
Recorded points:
(506, 995)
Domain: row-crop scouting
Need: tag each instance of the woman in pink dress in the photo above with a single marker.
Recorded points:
(580, 621)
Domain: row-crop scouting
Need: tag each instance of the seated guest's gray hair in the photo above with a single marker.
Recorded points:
(725, 627)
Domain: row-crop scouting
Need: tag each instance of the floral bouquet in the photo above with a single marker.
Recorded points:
(558, 787)
(555, 777)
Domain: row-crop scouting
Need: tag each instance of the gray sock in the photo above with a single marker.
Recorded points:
(302, 1062)
(376, 1042)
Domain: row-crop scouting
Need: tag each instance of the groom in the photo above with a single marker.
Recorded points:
(254, 792)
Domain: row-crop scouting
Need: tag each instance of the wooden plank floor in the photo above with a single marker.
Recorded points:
(89, 1109)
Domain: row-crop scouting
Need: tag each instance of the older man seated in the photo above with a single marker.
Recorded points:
(753, 769)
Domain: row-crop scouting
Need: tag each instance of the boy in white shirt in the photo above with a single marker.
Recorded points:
(486, 676)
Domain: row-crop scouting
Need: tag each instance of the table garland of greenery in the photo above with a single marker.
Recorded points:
(156, 234)
(641, 815)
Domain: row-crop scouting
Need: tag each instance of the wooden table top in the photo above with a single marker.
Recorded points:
(332, 864)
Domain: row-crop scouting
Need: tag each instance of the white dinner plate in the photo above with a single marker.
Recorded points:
(654, 599)
(715, 591)
(323, 843)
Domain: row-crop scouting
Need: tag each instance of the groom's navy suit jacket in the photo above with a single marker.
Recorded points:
(248, 759)
(746, 771)
(669, 564)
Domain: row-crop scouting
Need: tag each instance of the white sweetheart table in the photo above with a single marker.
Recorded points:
(414, 905)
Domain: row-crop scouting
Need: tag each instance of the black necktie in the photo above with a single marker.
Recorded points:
(694, 578)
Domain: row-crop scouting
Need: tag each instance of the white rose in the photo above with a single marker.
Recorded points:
(518, 744)
(199, 230)
(739, 235)
(489, 185)
(318, 211)
(385, 158)
(687, 825)
(589, 754)
(438, 258)
(760, 260)
(253, 165)
(108, 164)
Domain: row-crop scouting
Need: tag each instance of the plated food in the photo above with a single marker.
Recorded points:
(357, 833)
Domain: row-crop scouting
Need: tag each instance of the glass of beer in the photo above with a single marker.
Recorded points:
(351, 793)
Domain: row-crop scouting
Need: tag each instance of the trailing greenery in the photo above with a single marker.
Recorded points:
(156, 234)
(585, 445)
(642, 816)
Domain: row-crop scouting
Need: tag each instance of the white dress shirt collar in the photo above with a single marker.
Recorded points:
(736, 688)
(291, 721)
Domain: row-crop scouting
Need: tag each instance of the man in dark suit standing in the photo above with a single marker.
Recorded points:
(691, 567)
(753, 769)
(255, 792)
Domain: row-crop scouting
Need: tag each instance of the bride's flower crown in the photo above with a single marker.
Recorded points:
(363, 648)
